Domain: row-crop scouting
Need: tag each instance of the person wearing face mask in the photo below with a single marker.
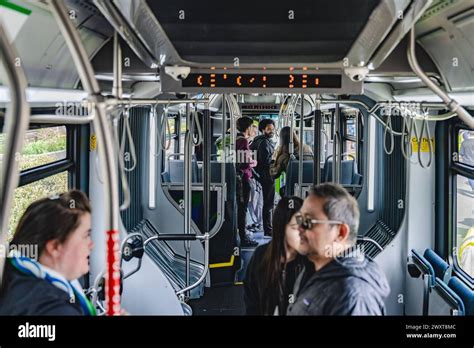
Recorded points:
(264, 147)
(273, 269)
(56, 234)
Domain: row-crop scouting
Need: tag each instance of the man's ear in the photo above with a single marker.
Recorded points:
(52, 247)
(344, 233)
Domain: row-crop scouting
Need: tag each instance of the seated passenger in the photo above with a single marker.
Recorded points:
(273, 269)
(345, 281)
(282, 153)
(54, 238)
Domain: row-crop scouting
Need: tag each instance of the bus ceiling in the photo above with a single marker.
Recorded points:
(264, 47)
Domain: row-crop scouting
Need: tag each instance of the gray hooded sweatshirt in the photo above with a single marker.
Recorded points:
(350, 285)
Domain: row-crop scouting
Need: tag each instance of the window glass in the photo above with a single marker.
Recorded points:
(40, 147)
(27, 194)
(351, 127)
(466, 147)
(465, 223)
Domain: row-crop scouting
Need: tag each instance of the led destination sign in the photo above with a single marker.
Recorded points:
(222, 80)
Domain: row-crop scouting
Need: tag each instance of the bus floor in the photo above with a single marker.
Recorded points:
(227, 299)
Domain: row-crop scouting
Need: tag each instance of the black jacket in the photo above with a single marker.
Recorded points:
(352, 285)
(254, 288)
(264, 148)
(28, 295)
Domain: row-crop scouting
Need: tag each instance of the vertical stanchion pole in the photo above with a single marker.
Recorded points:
(300, 155)
(16, 124)
(187, 190)
(106, 153)
(317, 144)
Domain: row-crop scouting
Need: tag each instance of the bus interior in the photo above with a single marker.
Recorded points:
(126, 100)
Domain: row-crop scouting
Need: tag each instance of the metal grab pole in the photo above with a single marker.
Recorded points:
(117, 89)
(337, 158)
(16, 124)
(450, 103)
(292, 126)
(206, 267)
(317, 144)
(54, 119)
(206, 167)
(300, 161)
(223, 156)
(106, 153)
(187, 191)
(135, 102)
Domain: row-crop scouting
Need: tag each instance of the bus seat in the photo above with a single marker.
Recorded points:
(444, 301)
(423, 266)
(349, 175)
(176, 171)
(216, 171)
(357, 179)
(464, 292)
(420, 266)
(441, 268)
(165, 176)
(292, 175)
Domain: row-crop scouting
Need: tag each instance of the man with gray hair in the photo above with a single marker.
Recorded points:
(344, 281)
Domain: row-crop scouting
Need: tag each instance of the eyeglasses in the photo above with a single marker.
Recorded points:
(309, 223)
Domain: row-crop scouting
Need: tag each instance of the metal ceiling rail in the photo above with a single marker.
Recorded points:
(452, 104)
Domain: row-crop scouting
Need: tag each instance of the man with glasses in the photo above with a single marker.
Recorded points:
(344, 281)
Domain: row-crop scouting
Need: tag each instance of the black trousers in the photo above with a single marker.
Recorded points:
(268, 193)
(243, 196)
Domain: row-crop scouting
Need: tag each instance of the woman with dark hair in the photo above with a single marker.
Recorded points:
(48, 253)
(273, 269)
(282, 154)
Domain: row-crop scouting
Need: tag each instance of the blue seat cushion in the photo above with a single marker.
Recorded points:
(464, 292)
(439, 265)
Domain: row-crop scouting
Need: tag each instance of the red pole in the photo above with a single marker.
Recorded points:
(112, 278)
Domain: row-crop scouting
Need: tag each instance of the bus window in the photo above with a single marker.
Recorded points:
(465, 223)
(27, 194)
(350, 137)
(42, 146)
(466, 147)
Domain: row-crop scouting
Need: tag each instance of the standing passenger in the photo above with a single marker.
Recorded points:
(345, 281)
(264, 147)
(272, 271)
(244, 175)
(282, 154)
